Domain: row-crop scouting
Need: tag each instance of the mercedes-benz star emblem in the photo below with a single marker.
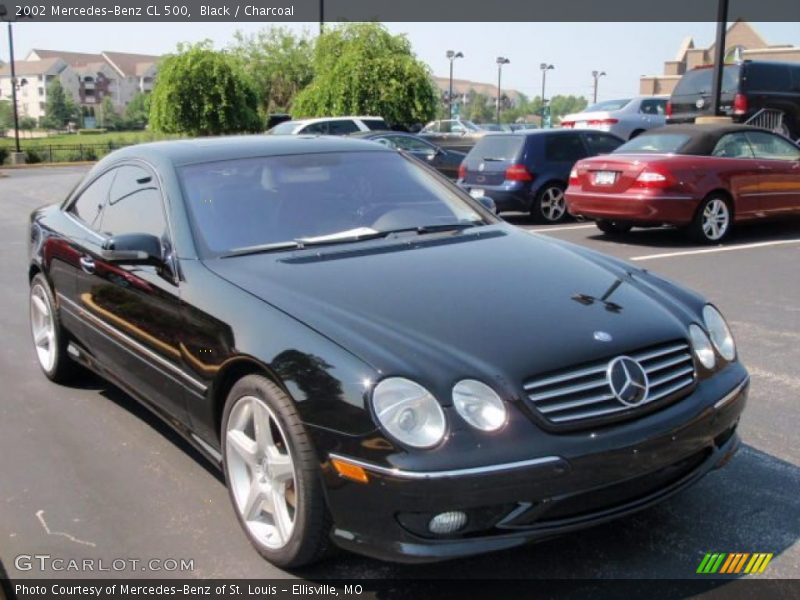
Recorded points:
(628, 381)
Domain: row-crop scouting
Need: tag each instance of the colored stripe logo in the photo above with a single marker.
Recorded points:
(734, 563)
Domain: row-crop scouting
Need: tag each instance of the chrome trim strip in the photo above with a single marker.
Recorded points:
(672, 389)
(207, 447)
(565, 377)
(618, 196)
(732, 394)
(593, 413)
(670, 362)
(672, 375)
(445, 474)
(563, 391)
(640, 356)
(546, 410)
(100, 325)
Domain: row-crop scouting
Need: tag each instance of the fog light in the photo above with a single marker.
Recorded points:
(447, 522)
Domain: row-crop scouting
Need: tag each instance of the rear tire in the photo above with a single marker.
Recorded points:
(273, 475)
(549, 205)
(49, 338)
(713, 220)
(613, 227)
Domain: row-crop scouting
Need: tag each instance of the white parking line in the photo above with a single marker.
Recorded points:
(720, 249)
(547, 229)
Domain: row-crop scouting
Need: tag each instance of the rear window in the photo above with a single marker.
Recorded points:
(698, 81)
(765, 77)
(609, 105)
(284, 128)
(376, 124)
(666, 143)
(498, 147)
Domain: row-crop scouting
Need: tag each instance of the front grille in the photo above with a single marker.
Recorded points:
(584, 394)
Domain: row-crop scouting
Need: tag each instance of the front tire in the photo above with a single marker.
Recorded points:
(49, 339)
(713, 220)
(273, 475)
(549, 204)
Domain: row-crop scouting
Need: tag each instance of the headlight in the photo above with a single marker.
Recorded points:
(479, 405)
(408, 412)
(702, 346)
(721, 336)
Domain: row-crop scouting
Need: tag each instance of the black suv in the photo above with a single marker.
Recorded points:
(747, 88)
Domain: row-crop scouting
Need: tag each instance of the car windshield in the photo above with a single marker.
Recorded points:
(285, 128)
(665, 143)
(609, 105)
(279, 202)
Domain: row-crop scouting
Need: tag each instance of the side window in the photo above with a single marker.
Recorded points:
(653, 106)
(134, 204)
(733, 145)
(772, 147)
(431, 128)
(89, 204)
(375, 124)
(320, 128)
(445, 126)
(385, 142)
(411, 144)
(563, 148)
(766, 77)
(343, 127)
(599, 143)
(457, 128)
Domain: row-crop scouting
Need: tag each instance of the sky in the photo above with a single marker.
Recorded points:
(625, 51)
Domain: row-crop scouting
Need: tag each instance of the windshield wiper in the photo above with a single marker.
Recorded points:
(337, 238)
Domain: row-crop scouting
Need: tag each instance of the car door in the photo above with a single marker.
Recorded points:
(738, 168)
(779, 165)
(601, 143)
(132, 312)
(652, 112)
(561, 151)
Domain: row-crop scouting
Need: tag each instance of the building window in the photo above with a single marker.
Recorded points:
(41, 91)
(41, 105)
(40, 77)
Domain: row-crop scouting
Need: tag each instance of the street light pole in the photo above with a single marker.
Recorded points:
(13, 87)
(597, 75)
(501, 60)
(719, 55)
(544, 68)
(451, 56)
(321, 17)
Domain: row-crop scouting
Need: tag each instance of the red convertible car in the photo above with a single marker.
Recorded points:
(703, 178)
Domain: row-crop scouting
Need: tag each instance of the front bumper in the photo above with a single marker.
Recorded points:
(603, 477)
(638, 207)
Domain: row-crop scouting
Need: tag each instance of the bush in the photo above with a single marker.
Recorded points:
(96, 131)
(3, 155)
(32, 156)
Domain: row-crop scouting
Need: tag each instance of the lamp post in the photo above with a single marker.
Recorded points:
(451, 56)
(3, 14)
(596, 75)
(321, 17)
(719, 56)
(544, 67)
(501, 60)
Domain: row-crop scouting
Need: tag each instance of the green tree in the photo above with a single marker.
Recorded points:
(564, 105)
(279, 62)
(360, 68)
(479, 108)
(59, 109)
(6, 116)
(27, 124)
(109, 118)
(137, 113)
(200, 91)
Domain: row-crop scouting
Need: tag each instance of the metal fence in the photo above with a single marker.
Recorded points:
(39, 152)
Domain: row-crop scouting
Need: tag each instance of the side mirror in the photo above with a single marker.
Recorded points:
(488, 204)
(133, 249)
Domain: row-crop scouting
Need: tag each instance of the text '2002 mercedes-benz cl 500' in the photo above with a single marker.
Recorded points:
(371, 356)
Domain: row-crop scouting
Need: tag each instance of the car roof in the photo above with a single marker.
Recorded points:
(211, 149)
(345, 118)
(702, 137)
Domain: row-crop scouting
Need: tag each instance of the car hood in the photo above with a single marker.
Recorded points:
(495, 303)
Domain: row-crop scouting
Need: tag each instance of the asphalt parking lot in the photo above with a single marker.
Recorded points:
(85, 472)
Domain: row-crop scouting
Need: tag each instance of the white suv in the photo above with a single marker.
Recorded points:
(330, 126)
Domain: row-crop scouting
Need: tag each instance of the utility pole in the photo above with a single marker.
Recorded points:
(719, 55)
(451, 56)
(596, 75)
(501, 60)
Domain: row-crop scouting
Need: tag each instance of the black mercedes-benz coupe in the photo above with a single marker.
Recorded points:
(371, 356)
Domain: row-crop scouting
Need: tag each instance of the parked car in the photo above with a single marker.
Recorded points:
(277, 118)
(453, 134)
(523, 126)
(370, 357)
(528, 170)
(444, 161)
(329, 126)
(627, 117)
(499, 127)
(704, 178)
(748, 88)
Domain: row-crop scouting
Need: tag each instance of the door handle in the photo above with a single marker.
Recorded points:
(87, 264)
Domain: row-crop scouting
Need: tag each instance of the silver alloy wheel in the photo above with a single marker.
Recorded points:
(261, 472)
(553, 204)
(716, 219)
(43, 327)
